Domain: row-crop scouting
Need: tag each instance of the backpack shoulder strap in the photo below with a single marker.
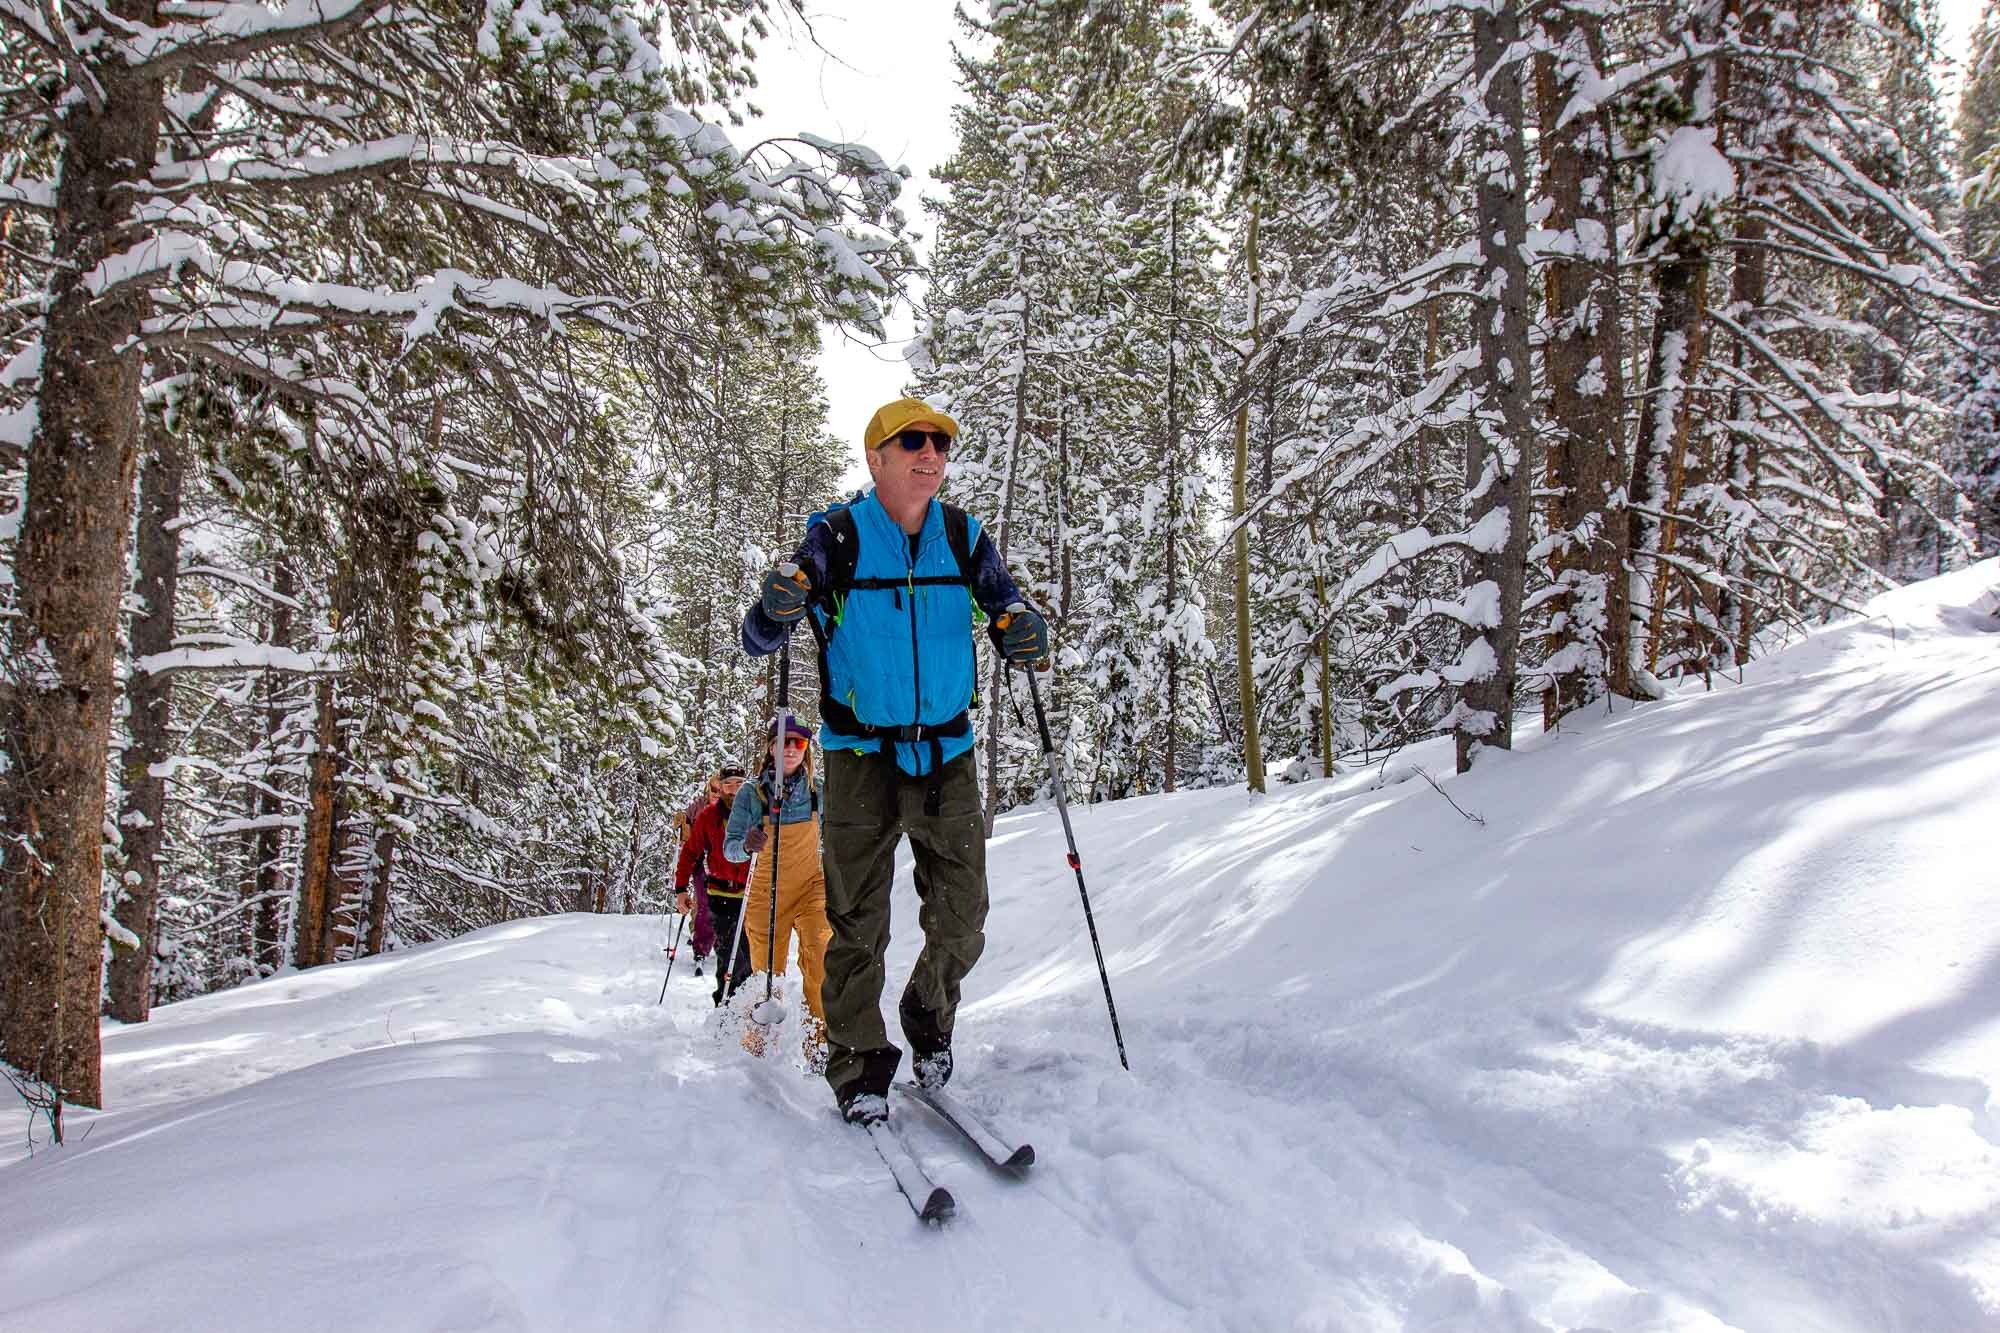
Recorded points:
(958, 531)
(843, 552)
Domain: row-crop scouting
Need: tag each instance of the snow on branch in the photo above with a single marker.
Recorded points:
(421, 309)
(1896, 207)
(1488, 535)
(39, 195)
(30, 20)
(1391, 295)
(1375, 436)
(1594, 93)
(202, 569)
(1828, 407)
(231, 31)
(235, 657)
(24, 367)
(377, 158)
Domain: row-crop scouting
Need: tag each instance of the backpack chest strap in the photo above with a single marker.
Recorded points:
(908, 581)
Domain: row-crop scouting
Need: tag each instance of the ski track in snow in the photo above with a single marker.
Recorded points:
(1698, 1032)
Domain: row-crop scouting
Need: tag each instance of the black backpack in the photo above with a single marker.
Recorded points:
(846, 554)
(830, 603)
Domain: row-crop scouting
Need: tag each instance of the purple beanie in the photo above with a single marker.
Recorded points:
(793, 727)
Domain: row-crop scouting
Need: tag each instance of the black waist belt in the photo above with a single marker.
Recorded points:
(841, 718)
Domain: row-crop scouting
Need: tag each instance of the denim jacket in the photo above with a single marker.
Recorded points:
(801, 801)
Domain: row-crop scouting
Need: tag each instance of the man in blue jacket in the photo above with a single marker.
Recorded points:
(887, 585)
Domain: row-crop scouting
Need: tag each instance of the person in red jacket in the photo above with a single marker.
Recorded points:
(704, 923)
(727, 879)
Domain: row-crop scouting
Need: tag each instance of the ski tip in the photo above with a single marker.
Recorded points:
(1023, 1158)
(939, 1207)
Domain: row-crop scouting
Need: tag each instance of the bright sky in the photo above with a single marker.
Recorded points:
(1960, 17)
(884, 79)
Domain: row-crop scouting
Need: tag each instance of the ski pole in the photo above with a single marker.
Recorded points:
(769, 1012)
(672, 949)
(737, 945)
(1075, 861)
(739, 939)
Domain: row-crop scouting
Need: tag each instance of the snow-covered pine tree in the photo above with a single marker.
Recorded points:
(1137, 387)
(1067, 334)
(1974, 456)
(282, 196)
(1013, 251)
(1900, 60)
(550, 788)
(1774, 502)
(1584, 654)
(1321, 66)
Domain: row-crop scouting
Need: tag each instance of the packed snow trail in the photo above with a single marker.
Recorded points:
(1697, 1031)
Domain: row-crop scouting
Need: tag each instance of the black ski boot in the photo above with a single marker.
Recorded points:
(930, 1048)
(864, 1109)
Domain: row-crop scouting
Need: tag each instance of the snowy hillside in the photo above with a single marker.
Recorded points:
(1698, 1030)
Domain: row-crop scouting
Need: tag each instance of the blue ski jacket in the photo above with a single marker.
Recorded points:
(898, 656)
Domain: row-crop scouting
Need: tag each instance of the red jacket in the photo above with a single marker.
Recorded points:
(703, 843)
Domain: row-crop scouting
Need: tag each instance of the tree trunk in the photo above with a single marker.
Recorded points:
(1325, 662)
(1663, 429)
(1745, 461)
(716, 459)
(1246, 681)
(1498, 465)
(1001, 544)
(1221, 710)
(1678, 343)
(385, 869)
(347, 903)
(268, 843)
(632, 848)
(1061, 554)
(1743, 464)
(71, 574)
(312, 936)
(1586, 382)
(149, 701)
(1267, 424)
(1172, 758)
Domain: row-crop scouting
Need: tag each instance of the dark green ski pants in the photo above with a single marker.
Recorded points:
(869, 806)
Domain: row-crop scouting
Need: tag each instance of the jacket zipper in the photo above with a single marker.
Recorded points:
(916, 659)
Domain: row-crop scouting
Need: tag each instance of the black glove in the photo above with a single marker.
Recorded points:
(754, 840)
(784, 595)
(1024, 636)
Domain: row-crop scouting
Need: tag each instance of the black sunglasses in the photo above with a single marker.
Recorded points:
(913, 440)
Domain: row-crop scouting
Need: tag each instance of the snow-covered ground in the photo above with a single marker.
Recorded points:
(1699, 1029)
